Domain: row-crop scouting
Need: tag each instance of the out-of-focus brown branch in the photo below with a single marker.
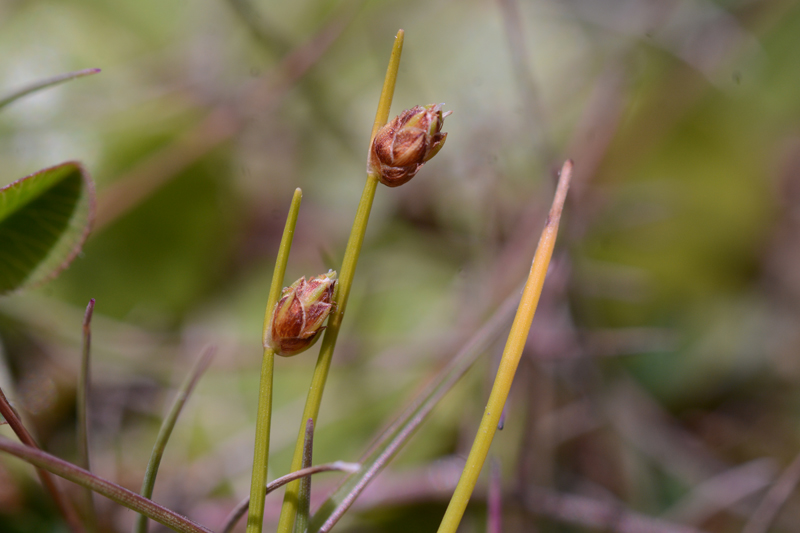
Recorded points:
(218, 126)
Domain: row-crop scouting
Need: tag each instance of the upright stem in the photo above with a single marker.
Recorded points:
(511, 356)
(314, 399)
(258, 482)
(82, 401)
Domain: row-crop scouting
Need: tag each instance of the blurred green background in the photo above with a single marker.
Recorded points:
(661, 375)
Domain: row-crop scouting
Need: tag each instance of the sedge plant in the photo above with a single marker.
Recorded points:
(398, 149)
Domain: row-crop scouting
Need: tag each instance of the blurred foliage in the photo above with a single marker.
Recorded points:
(664, 353)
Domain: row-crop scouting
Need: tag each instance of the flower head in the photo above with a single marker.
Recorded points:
(297, 319)
(407, 142)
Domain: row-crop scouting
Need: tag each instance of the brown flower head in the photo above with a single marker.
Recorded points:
(402, 146)
(297, 319)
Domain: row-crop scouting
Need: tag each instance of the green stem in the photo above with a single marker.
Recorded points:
(508, 364)
(314, 399)
(110, 490)
(82, 400)
(140, 525)
(258, 480)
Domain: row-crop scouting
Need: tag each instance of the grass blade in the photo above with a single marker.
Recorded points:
(164, 433)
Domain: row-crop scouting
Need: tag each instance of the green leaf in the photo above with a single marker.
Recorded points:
(44, 220)
(43, 84)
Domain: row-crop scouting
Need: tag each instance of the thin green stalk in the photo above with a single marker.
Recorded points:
(110, 490)
(258, 480)
(48, 482)
(511, 356)
(314, 399)
(165, 431)
(304, 505)
(82, 400)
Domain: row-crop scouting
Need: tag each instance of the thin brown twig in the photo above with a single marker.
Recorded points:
(46, 478)
(238, 512)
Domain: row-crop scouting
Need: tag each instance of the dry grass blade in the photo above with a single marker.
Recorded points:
(510, 360)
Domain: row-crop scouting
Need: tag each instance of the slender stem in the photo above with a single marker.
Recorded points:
(164, 433)
(47, 82)
(314, 399)
(258, 481)
(239, 510)
(110, 490)
(82, 400)
(304, 500)
(510, 359)
(49, 483)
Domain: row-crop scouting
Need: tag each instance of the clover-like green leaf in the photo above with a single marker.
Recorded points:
(44, 220)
